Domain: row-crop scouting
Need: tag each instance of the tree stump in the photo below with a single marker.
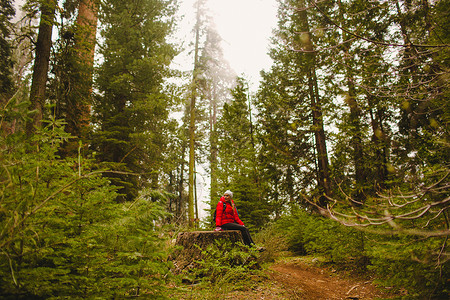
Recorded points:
(191, 245)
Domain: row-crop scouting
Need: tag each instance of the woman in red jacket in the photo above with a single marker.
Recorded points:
(228, 219)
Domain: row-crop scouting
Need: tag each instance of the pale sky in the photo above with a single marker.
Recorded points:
(245, 26)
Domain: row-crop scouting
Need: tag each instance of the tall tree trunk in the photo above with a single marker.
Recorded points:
(192, 119)
(85, 44)
(86, 30)
(414, 110)
(6, 64)
(181, 214)
(213, 145)
(356, 139)
(323, 176)
(197, 218)
(252, 138)
(379, 141)
(321, 147)
(354, 118)
(41, 64)
(191, 165)
(79, 107)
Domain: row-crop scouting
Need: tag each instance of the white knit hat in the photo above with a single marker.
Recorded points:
(228, 192)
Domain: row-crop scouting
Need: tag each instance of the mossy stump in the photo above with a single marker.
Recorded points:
(191, 244)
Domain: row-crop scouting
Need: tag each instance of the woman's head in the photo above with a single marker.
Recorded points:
(228, 195)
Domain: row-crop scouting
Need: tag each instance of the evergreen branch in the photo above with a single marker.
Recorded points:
(11, 268)
(444, 244)
(53, 195)
(322, 49)
(410, 45)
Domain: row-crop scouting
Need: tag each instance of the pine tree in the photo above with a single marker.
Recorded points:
(192, 207)
(423, 113)
(305, 42)
(62, 231)
(41, 64)
(354, 64)
(237, 167)
(131, 109)
(217, 79)
(291, 111)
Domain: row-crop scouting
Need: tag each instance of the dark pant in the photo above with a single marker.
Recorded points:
(244, 231)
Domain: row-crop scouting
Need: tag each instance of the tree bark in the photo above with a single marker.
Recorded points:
(321, 146)
(87, 29)
(355, 119)
(213, 145)
(192, 119)
(356, 139)
(85, 45)
(79, 105)
(323, 176)
(379, 140)
(41, 65)
(181, 206)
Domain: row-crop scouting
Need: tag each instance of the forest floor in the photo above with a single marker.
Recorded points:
(296, 278)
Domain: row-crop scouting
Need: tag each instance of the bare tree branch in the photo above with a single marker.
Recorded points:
(389, 211)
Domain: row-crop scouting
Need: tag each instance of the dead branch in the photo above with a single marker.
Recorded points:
(388, 210)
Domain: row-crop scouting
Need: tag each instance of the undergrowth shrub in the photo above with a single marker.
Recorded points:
(312, 234)
(222, 262)
(405, 261)
(274, 241)
(400, 261)
(62, 235)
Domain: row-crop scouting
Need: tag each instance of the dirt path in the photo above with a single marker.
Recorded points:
(305, 281)
(293, 278)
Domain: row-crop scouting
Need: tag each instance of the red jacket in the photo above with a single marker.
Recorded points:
(228, 216)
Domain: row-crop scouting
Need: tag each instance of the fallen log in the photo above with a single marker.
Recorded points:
(191, 244)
